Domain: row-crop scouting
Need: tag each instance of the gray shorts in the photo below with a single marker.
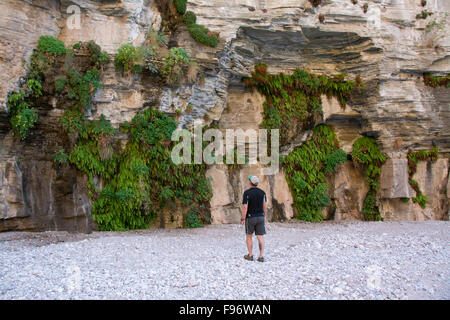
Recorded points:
(255, 225)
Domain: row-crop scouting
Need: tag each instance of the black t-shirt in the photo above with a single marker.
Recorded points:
(254, 198)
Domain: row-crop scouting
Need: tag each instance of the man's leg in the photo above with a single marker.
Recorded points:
(261, 245)
(249, 241)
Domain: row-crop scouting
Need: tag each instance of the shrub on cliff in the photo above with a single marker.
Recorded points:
(51, 45)
(60, 83)
(22, 116)
(173, 64)
(80, 87)
(180, 5)
(98, 57)
(23, 121)
(198, 32)
(129, 59)
(189, 18)
(202, 34)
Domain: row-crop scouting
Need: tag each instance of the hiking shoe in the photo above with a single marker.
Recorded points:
(260, 259)
(249, 258)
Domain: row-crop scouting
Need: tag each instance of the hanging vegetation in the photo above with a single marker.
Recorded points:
(23, 116)
(367, 153)
(139, 179)
(306, 168)
(144, 179)
(293, 99)
(413, 160)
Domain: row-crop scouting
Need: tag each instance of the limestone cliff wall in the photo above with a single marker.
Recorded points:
(386, 45)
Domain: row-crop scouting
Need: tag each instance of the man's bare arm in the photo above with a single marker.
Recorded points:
(244, 212)
(265, 207)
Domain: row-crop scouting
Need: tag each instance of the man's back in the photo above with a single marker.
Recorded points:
(254, 198)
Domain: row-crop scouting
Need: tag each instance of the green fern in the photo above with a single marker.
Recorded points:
(306, 168)
(367, 153)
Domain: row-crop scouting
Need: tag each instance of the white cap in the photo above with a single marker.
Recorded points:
(254, 179)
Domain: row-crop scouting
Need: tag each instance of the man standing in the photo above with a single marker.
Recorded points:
(254, 207)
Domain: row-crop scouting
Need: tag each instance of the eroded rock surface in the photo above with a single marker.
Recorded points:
(386, 46)
(433, 179)
(21, 25)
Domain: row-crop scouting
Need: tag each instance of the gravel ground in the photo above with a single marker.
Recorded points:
(358, 260)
